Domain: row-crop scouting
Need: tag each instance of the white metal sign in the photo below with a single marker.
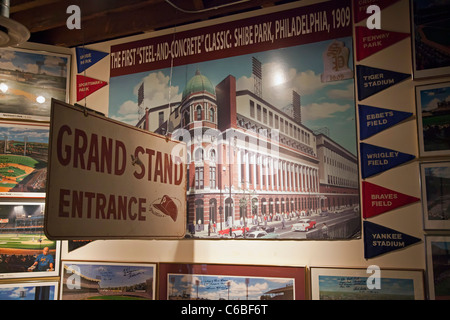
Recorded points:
(109, 180)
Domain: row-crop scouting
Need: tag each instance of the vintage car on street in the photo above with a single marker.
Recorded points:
(256, 234)
(235, 232)
(304, 225)
(262, 228)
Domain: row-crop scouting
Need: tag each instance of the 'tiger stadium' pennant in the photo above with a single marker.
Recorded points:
(378, 200)
(360, 7)
(87, 58)
(371, 41)
(376, 159)
(373, 119)
(87, 86)
(373, 80)
(379, 239)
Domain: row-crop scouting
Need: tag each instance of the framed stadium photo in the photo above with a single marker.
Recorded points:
(438, 263)
(29, 79)
(25, 251)
(433, 119)
(23, 159)
(29, 290)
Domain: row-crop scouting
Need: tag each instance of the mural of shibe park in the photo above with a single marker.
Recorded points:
(23, 158)
(22, 238)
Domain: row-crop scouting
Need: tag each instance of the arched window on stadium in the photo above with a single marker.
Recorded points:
(186, 118)
(198, 113)
(211, 114)
(213, 210)
(212, 155)
(199, 214)
(198, 155)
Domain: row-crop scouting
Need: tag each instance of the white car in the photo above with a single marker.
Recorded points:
(304, 225)
(256, 234)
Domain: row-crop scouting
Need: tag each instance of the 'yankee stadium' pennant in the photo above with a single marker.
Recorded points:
(379, 239)
(373, 119)
(87, 58)
(370, 41)
(376, 159)
(360, 7)
(378, 200)
(87, 86)
(373, 80)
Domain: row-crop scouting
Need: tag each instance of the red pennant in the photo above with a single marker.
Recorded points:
(360, 7)
(370, 41)
(87, 86)
(377, 199)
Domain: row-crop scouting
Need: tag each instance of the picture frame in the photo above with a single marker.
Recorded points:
(29, 290)
(430, 54)
(433, 119)
(435, 185)
(29, 78)
(23, 241)
(179, 281)
(356, 284)
(437, 249)
(97, 280)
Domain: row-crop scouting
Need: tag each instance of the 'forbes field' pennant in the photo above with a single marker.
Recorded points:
(379, 239)
(371, 41)
(373, 119)
(376, 159)
(87, 86)
(87, 58)
(373, 80)
(378, 200)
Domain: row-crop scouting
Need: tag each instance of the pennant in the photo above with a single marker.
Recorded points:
(360, 7)
(379, 239)
(378, 200)
(371, 41)
(373, 119)
(376, 159)
(87, 86)
(87, 58)
(373, 80)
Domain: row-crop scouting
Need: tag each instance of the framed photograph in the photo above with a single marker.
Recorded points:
(23, 159)
(365, 284)
(433, 119)
(435, 184)
(430, 27)
(25, 251)
(438, 264)
(29, 79)
(230, 282)
(107, 281)
(29, 290)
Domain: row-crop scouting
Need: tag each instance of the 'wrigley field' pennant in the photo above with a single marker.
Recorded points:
(373, 119)
(87, 58)
(360, 7)
(378, 200)
(371, 41)
(87, 86)
(373, 80)
(379, 239)
(376, 159)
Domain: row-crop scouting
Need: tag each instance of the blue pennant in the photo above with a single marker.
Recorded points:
(379, 239)
(373, 119)
(376, 159)
(88, 57)
(373, 80)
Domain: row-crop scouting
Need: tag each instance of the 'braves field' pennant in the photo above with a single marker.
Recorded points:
(379, 239)
(375, 159)
(373, 80)
(360, 7)
(87, 86)
(378, 200)
(87, 58)
(373, 119)
(371, 41)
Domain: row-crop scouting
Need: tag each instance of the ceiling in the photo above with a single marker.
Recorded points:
(103, 20)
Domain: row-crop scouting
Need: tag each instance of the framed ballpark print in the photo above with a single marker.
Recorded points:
(438, 264)
(362, 284)
(29, 79)
(25, 251)
(433, 119)
(230, 282)
(435, 184)
(29, 290)
(107, 281)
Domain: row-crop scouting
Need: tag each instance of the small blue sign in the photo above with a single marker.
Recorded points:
(373, 119)
(87, 58)
(375, 159)
(373, 80)
(379, 240)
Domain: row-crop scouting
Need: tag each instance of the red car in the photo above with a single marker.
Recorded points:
(235, 232)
